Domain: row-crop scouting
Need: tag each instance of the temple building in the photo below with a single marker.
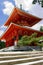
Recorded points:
(16, 26)
(22, 18)
(14, 31)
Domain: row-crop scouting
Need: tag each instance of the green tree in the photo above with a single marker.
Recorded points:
(42, 3)
(23, 41)
(41, 28)
(40, 44)
(27, 40)
(34, 1)
(39, 1)
(30, 40)
(2, 44)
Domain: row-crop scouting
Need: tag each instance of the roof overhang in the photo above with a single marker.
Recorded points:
(15, 30)
(22, 18)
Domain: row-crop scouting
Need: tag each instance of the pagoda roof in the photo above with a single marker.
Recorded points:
(14, 30)
(22, 18)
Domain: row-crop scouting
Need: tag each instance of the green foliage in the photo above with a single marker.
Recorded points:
(42, 3)
(27, 40)
(39, 1)
(24, 41)
(24, 38)
(34, 1)
(33, 36)
(2, 44)
(40, 44)
(41, 28)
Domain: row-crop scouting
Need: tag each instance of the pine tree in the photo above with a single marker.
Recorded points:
(34, 2)
(42, 3)
(2, 44)
(38, 1)
(41, 28)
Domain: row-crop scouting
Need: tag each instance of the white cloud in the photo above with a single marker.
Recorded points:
(8, 7)
(37, 26)
(37, 10)
(1, 32)
(2, 29)
(3, 26)
(26, 4)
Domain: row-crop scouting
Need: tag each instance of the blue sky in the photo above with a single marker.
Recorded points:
(3, 16)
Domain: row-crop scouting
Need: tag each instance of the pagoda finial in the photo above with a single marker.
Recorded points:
(21, 6)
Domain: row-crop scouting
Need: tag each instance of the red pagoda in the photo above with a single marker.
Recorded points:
(16, 22)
